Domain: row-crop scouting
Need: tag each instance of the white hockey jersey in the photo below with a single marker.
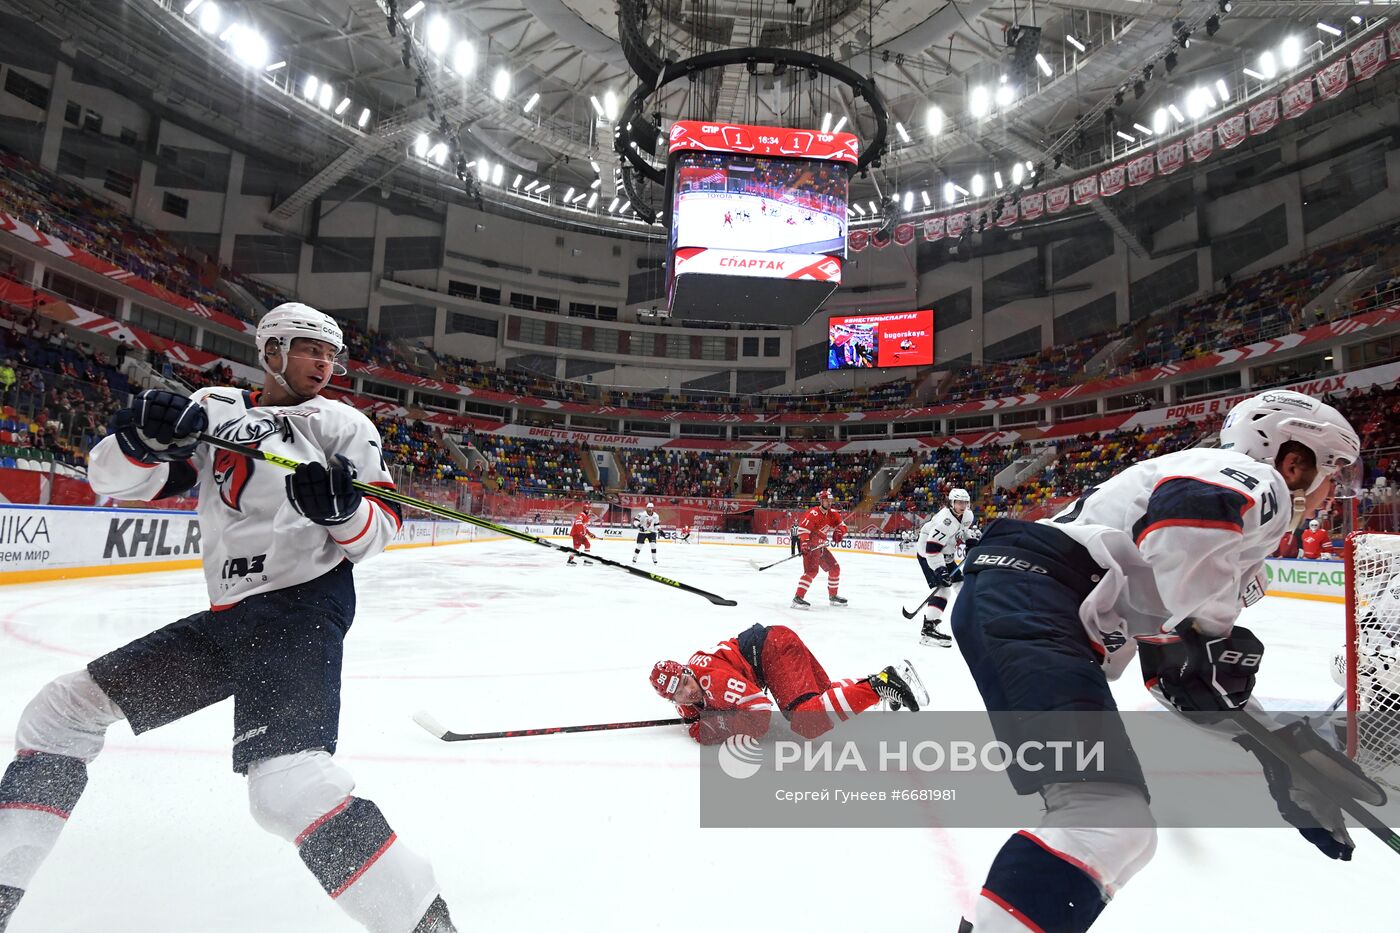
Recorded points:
(1182, 536)
(943, 535)
(647, 522)
(253, 540)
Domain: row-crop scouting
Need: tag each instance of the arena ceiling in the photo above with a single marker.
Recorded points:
(948, 73)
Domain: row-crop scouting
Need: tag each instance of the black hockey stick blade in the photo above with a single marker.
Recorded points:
(910, 613)
(1300, 766)
(755, 564)
(435, 728)
(393, 495)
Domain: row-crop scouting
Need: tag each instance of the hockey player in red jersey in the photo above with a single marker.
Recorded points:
(580, 533)
(821, 527)
(734, 687)
(1316, 542)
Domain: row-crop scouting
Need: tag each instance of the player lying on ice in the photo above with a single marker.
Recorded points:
(279, 550)
(766, 668)
(1158, 560)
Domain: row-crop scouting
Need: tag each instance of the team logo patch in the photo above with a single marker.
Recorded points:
(231, 474)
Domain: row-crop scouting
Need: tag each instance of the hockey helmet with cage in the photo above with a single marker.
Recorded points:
(1259, 426)
(291, 320)
(666, 677)
(1314, 525)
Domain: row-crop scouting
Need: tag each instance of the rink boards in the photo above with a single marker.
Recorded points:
(61, 542)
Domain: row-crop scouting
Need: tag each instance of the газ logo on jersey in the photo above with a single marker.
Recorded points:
(232, 471)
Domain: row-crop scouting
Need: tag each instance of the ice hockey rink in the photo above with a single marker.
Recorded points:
(595, 831)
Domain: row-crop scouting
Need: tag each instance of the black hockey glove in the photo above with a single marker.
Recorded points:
(159, 426)
(1203, 674)
(324, 495)
(944, 576)
(1302, 804)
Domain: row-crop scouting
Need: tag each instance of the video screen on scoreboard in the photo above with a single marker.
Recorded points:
(760, 205)
(878, 341)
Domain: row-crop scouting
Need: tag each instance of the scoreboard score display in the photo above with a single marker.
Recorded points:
(757, 221)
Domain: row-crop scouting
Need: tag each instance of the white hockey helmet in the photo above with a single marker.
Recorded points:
(293, 319)
(958, 494)
(1314, 525)
(1259, 426)
(651, 505)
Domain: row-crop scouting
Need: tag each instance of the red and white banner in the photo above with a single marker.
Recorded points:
(1032, 206)
(1200, 145)
(934, 228)
(1332, 80)
(815, 267)
(1368, 58)
(1263, 116)
(1171, 157)
(1297, 99)
(858, 240)
(879, 238)
(696, 135)
(904, 234)
(1141, 170)
(1111, 181)
(957, 223)
(1232, 131)
(1010, 213)
(1057, 199)
(1085, 189)
(1393, 34)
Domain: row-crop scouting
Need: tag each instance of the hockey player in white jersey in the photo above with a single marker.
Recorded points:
(278, 563)
(648, 524)
(1159, 559)
(939, 541)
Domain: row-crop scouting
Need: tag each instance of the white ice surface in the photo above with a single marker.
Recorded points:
(591, 831)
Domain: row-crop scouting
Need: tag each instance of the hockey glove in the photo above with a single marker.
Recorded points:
(1302, 804)
(159, 426)
(324, 495)
(974, 534)
(839, 536)
(946, 575)
(1202, 674)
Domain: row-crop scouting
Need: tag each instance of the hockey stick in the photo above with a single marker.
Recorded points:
(1299, 765)
(393, 495)
(910, 613)
(757, 566)
(434, 727)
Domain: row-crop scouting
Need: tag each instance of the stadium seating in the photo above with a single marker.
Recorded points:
(677, 473)
(796, 479)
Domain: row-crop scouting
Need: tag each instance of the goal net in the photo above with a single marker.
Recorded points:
(1373, 654)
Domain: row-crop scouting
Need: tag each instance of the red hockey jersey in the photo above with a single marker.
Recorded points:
(815, 527)
(729, 684)
(580, 525)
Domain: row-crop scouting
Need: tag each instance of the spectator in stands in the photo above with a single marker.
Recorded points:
(7, 382)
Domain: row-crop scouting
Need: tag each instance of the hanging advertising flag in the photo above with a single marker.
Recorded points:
(1297, 99)
(1010, 213)
(933, 228)
(880, 238)
(957, 223)
(1368, 58)
(1232, 131)
(1263, 116)
(1032, 206)
(858, 240)
(1112, 180)
(1393, 35)
(1200, 145)
(1057, 199)
(1085, 189)
(904, 234)
(1332, 80)
(1173, 156)
(1141, 170)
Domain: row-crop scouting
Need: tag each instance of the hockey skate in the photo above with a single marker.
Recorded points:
(839, 601)
(799, 603)
(932, 637)
(900, 686)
